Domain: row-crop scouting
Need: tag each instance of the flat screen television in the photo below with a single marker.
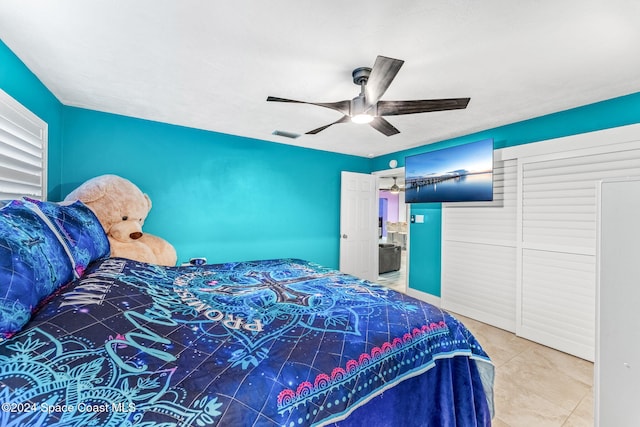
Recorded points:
(463, 173)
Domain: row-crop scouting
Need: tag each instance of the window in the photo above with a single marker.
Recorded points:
(23, 151)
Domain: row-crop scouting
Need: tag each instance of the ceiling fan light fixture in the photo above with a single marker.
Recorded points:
(361, 112)
(362, 118)
(395, 188)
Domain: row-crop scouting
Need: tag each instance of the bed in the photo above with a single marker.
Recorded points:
(90, 340)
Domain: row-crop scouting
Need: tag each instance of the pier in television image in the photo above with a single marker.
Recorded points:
(463, 173)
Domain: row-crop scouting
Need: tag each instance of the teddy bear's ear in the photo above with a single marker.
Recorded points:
(88, 192)
(148, 201)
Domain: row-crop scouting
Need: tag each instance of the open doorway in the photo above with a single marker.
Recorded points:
(393, 230)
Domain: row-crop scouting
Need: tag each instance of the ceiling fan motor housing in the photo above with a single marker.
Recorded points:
(360, 106)
(359, 110)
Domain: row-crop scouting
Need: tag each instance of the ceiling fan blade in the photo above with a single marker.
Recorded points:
(340, 106)
(382, 74)
(344, 119)
(395, 108)
(383, 126)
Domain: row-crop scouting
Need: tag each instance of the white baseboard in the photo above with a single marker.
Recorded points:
(423, 296)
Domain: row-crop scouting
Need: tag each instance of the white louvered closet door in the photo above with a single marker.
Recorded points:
(479, 253)
(527, 264)
(557, 280)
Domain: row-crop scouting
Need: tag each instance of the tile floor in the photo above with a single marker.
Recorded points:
(535, 386)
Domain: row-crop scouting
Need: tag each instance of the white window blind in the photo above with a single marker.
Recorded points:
(23, 149)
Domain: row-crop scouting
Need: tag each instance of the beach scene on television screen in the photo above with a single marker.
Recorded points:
(463, 173)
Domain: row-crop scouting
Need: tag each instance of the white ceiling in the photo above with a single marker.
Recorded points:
(212, 64)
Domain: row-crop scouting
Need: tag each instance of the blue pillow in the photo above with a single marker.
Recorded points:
(79, 230)
(33, 264)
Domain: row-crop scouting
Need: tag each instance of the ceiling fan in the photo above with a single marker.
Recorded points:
(395, 188)
(367, 106)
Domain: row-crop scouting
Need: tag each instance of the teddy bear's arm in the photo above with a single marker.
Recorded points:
(165, 252)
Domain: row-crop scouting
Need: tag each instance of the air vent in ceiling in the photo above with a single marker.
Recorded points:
(285, 134)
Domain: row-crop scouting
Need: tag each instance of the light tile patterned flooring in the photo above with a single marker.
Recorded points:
(535, 386)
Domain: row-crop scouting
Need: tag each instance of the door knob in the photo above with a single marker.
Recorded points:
(344, 236)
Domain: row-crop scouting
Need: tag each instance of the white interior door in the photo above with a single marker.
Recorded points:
(358, 225)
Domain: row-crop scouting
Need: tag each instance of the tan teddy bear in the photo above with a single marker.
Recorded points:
(122, 208)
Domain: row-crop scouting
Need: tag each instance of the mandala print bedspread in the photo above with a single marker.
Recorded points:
(279, 342)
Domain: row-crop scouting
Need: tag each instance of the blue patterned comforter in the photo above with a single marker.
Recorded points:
(265, 343)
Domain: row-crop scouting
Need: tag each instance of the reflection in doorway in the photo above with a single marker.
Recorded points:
(392, 233)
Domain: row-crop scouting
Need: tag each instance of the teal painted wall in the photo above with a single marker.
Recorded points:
(223, 197)
(230, 198)
(425, 272)
(19, 82)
